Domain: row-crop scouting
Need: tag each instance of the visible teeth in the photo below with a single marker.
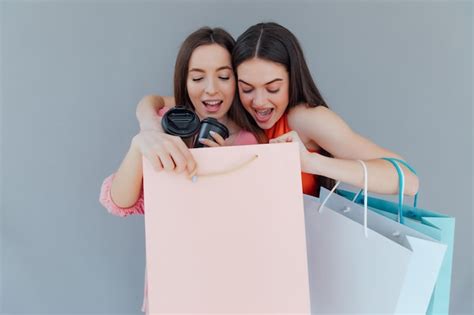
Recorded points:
(212, 102)
(264, 112)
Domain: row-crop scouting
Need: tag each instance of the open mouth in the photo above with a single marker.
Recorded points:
(212, 106)
(263, 115)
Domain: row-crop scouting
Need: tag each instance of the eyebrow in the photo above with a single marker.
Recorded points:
(270, 82)
(218, 69)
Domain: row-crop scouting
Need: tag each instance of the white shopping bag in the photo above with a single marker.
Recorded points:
(390, 270)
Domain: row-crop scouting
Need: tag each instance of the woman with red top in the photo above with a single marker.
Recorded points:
(277, 90)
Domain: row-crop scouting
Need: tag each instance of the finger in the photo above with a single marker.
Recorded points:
(190, 162)
(209, 142)
(166, 160)
(217, 137)
(194, 172)
(278, 140)
(154, 161)
(177, 156)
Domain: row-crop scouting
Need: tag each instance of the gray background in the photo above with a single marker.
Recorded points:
(72, 73)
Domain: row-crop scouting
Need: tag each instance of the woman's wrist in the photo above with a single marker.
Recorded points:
(150, 124)
(312, 163)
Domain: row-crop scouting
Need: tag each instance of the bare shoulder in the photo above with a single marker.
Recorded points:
(305, 119)
(326, 129)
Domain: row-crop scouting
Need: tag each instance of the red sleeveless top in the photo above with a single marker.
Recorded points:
(281, 127)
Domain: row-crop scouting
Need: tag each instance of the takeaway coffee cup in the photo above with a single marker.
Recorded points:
(181, 122)
(207, 125)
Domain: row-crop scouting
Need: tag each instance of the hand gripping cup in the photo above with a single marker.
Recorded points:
(207, 125)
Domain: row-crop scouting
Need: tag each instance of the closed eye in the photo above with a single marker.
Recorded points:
(224, 78)
(197, 79)
(273, 91)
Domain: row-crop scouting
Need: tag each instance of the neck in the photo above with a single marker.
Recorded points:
(226, 121)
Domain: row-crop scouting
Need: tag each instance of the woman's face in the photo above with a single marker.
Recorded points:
(211, 81)
(263, 89)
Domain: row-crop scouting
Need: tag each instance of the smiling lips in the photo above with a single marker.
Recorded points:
(212, 106)
(263, 115)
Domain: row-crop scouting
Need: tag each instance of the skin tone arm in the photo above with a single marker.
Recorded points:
(148, 108)
(322, 126)
(165, 152)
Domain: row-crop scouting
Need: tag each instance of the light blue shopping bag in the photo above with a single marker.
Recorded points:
(438, 226)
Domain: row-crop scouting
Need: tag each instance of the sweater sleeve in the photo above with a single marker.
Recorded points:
(106, 200)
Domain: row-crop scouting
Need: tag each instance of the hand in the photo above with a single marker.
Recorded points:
(218, 140)
(165, 152)
(152, 123)
(293, 136)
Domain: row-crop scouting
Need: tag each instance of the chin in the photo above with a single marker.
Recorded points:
(265, 125)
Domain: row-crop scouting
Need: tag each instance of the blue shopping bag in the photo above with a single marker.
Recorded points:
(435, 225)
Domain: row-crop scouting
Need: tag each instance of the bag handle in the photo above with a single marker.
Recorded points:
(225, 171)
(366, 184)
(401, 186)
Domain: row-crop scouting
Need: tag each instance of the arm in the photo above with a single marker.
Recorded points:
(106, 200)
(162, 150)
(325, 128)
(148, 108)
(165, 152)
(126, 185)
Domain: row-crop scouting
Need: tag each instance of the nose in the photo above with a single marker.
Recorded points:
(211, 87)
(259, 99)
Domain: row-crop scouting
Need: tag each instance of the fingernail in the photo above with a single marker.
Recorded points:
(212, 132)
(192, 174)
(201, 140)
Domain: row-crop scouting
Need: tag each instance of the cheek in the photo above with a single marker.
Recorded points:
(245, 98)
(195, 89)
(191, 89)
(281, 100)
(229, 89)
(247, 103)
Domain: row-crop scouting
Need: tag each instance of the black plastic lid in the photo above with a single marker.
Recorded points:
(214, 122)
(180, 122)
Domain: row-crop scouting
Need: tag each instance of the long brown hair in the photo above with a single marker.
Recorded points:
(209, 36)
(273, 42)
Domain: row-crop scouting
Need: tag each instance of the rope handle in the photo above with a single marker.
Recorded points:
(237, 167)
(346, 209)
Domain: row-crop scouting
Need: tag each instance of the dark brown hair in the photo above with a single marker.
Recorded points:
(209, 36)
(273, 42)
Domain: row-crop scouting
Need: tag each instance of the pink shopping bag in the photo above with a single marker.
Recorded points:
(232, 241)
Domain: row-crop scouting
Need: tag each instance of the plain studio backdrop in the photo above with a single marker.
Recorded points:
(72, 72)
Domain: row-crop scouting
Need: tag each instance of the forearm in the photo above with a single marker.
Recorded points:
(147, 112)
(127, 183)
(383, 178)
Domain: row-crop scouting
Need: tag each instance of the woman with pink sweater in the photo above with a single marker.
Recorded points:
(204, 82)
